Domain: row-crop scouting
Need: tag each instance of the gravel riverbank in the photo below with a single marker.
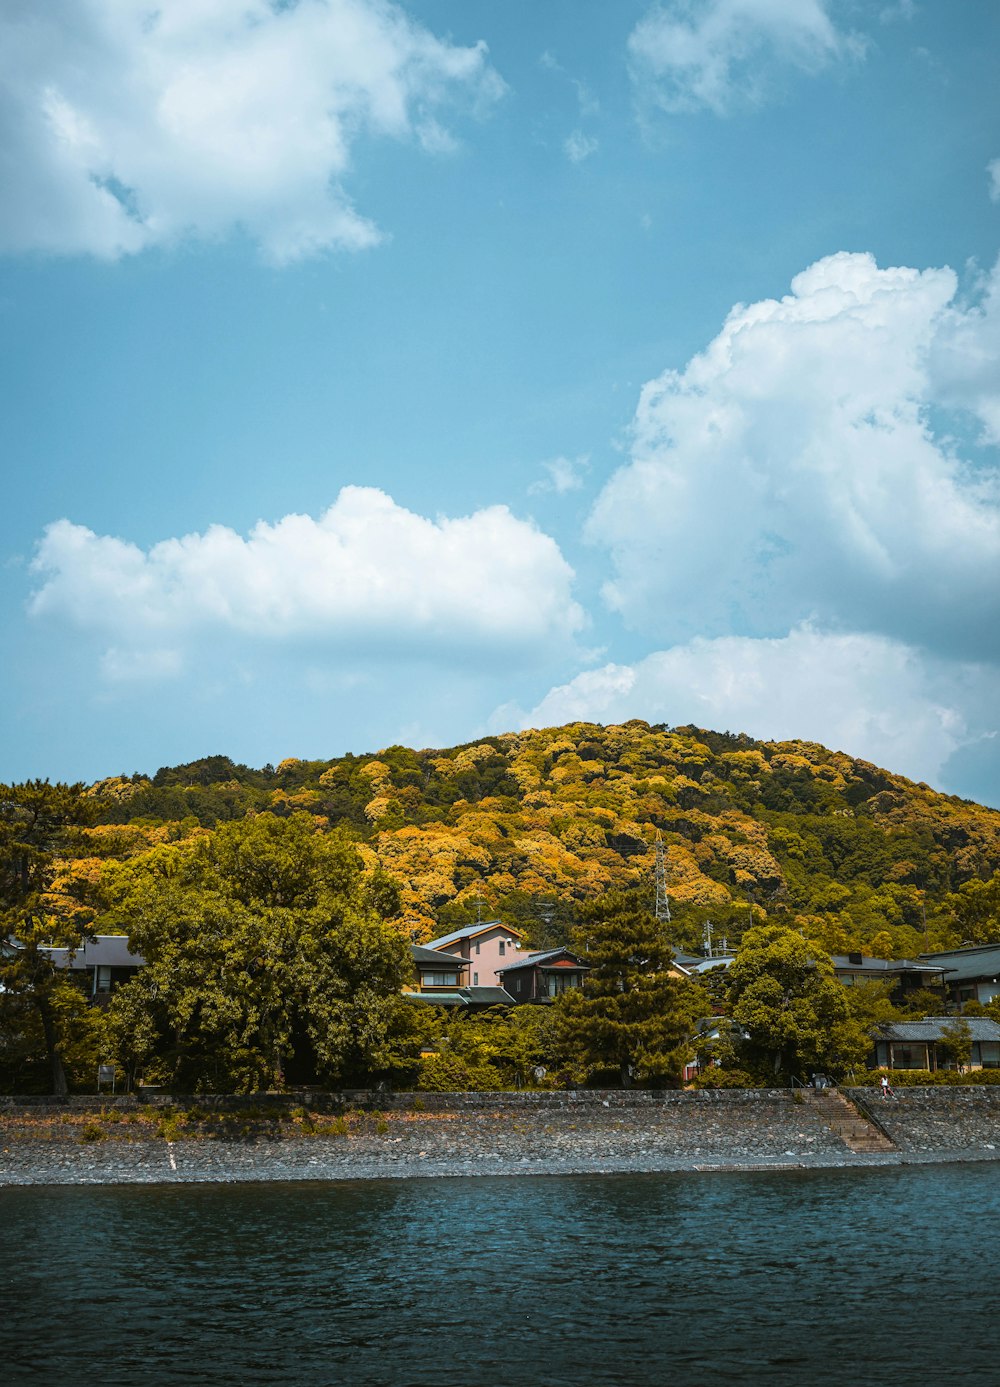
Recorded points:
(487, 1134)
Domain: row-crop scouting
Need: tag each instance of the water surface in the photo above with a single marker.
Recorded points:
(836, 1277)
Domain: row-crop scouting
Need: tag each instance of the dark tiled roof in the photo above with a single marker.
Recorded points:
(438, 999)
(105, 950)
(488, 996)
(427, 957)
(538, 960)
(464, 997)
(962, 965)
(470, 930)
(933, 1027)
(844, 963)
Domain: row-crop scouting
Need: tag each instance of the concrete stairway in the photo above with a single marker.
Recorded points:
(846, 1121)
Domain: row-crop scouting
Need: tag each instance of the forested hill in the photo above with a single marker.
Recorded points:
(526, 825)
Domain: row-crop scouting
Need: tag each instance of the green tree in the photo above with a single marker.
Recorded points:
(783, 991)
(956, 1043)
(268, 956)
(38, 832)
(634, 1013)
(977, 910)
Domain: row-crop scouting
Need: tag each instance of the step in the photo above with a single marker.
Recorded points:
(848, 1123)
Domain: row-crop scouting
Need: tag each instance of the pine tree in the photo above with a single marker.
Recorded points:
(635, 1011)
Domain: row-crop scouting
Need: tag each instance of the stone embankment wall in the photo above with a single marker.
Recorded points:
(377, 1135)
(937, 1119)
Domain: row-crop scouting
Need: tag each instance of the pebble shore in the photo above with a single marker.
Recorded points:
(498, 1135)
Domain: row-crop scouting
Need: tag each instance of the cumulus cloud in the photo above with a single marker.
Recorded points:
(722, 54)
(871, 697)
(128, 126)
(791, 471)
(367, 577)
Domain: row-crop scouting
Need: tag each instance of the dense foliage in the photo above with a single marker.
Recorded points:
(530, 825)
(274, 905)
(634, 1014)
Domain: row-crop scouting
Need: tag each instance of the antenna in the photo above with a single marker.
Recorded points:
(662, 911)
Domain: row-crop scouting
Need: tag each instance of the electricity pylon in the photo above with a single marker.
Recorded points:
(662, 902)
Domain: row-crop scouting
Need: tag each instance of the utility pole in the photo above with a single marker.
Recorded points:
(662, 902)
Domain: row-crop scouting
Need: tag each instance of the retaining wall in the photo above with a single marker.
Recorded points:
(939, 1118)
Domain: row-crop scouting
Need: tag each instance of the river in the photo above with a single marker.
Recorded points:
(794, 1277)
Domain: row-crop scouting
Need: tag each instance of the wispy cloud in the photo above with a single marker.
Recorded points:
(579, 147)
(993, 170)
(723, 54)
(562, 475)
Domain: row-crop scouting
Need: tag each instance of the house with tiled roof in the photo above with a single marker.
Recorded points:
(99, 964)
(487, 947)
(443, 980)
(543, 976)
(971, 974)
(917, 1044)
(902, 974)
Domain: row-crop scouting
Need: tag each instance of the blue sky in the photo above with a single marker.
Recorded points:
(380, 373)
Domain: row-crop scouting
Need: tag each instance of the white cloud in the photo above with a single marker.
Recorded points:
(579, 147)
(562, 474)
(367, 577)
(129, 126)
(993, 169)
(790, 470)
(871, 697)
(720, 54)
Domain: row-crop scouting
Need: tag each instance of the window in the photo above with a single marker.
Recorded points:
(503, 948)
(102, 979)
(440, 979)
(475, 980)
(477, 946)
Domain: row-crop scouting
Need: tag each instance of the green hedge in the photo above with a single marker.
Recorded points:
(923, 1078)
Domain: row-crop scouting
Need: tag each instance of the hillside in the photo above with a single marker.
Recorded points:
(527, 825)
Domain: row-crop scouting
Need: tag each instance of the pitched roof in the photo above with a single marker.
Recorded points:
(933, 1028)
(427, 957)
(464, 997)
(488, 996)
(962, 965)
(104, 950)
(469, 931)
(539, 959)
(845, 963)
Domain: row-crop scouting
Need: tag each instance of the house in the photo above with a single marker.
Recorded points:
(902, 974)
(709, 1031)
(543, 976)
(914, 1044)
(442, 979)
(100, 964)
(694, 965)
(971, 974)
(487, 946)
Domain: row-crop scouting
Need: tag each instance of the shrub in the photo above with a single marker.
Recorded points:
(92, 1131)
(726, 1078)
(925, 1078)
(451, 1074)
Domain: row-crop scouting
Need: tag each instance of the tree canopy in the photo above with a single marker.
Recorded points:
(267, 956)
(634, 1012)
